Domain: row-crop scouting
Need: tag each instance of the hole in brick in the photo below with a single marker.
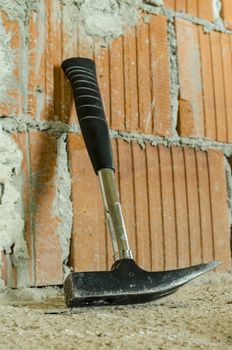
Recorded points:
(9, 251)
(2, 188)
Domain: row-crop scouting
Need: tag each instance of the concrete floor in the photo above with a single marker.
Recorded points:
(198, 316)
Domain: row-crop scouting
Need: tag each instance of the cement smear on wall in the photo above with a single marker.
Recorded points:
(16, 9)
(173, 71)
(229, 188)
(105, 19)
(11, 221)
(62, 206)
(25, 123)
(217, 6)
(19, 12)
(101, 18)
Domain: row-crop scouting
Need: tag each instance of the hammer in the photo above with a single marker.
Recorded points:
(126, 282)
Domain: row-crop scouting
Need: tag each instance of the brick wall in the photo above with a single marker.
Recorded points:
(165, 74)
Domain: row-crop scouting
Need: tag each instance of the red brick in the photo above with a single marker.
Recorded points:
(226, 13)
(192, 193)
(181, 207)
(170, 4)
(218, 194)
(219, 92)
(190, 75)
(143, 253)
(226, 52)
(127, 194)
(215, 53)
(85, 48)
(144, 87)
(205, 9)
(192, 6)
(181, 5)
(69, 49)
(134, 77)
(89, 244)
(130, 73)
(168, 208)
(8, 272)
(160, 106)
(155, 209)
(146, 79)
(37, 68)
(169, 198)
(208, 86)
(207, 239)
(102, 58)
(205, 106)
(45, 80)
(3, 269)
(45, 56)
(50, 95)
(117, 85)
(53, 58)
(186, 123)
(216, 81)
(43, 221)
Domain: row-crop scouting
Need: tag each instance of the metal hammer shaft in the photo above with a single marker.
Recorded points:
(114, 215)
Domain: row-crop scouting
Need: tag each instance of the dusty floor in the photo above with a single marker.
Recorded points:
(198, 316)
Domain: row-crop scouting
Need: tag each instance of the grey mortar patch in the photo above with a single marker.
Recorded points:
(71, 15)
(62, 205)
(12, 241)
(18, 10)
(217, 6)
(106, 19)
(173, 71)
(25, 123)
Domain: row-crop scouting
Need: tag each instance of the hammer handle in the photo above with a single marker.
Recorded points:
(90, 111)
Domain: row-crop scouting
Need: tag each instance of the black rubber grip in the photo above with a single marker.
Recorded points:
(90, 111)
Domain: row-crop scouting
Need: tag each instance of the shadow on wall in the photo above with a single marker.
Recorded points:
(63, 103)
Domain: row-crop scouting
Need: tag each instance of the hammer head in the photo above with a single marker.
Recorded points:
(127, 283)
